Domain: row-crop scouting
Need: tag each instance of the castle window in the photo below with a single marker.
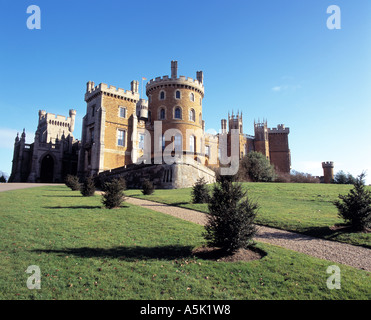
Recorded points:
(192, 115)
(92, 111)
(178, 142)
(177, 94)
(162, 114)
(141, 141)
(121, 137)
(200, 119)
(162, 95)
(207, 151)
(122, 112)
(91, 135)
(178, 113)
(192, 143)
(192, 96)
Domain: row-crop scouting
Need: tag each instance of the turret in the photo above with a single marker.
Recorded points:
(72, 116)
(328, 171)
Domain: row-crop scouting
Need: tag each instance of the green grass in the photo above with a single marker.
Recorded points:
(299, 207)
(87, 252)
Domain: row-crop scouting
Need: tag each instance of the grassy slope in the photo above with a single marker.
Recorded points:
(86, 252)
(305, 208)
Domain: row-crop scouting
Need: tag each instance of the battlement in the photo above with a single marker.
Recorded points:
(102, 87)
(280, 129)
(328, 164)
(180, 80)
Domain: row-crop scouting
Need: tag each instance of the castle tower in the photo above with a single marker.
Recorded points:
(279, 152)
(328, 171)
(235, 122)
(261, 137)
(177, 103)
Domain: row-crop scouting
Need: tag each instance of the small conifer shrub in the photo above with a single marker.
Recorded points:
(355, 207)
(88, 187)
(147, 187)
(231, 216)
(113, 194)
(72, 182)
(200, 192)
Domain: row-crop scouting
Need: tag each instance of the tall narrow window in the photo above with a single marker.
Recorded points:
(162, 95)
(178, 142)
(207, 151)
(192, 143)
(141, 141)
(122, 112)
(162, 114)
(177, 94)
(192, 115)
(192, 96)
(178, 113)
(121, 138)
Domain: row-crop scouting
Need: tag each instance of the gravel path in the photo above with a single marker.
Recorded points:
(337, 252)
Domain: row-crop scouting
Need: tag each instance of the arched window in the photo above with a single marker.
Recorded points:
(162, 114)
(162, 95)
(178, 113)
(192, 96)
(192, 115)
(192, 143)
(177, 94)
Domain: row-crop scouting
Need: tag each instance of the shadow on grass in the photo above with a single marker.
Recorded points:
(85, 207)
(63, 196)
(126, 253)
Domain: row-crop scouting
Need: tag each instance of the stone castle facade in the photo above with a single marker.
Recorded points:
(162, 138)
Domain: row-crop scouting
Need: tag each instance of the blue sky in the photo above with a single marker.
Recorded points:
(273, 59)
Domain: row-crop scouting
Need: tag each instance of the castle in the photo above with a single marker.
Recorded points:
(162, 138)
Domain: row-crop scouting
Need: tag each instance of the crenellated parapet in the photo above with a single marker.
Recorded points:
(280, 129)
(92, 91)
(175, 81)
(328, 164)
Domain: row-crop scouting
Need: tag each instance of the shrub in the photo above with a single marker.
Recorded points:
(147, 187)
(256, 167)
(231, 215)
(72, 182)
(301, 177)
(2, 179)
(355, 207)
(200, 192)
(88, 187)
(113, 194)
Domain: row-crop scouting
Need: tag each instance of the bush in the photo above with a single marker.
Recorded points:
(88, 187)
(147, 187)
(2, 179)
(113, 194)
(301, 177)
(355, 207)
(72, 182)
(256, 167)
(231, 215)
(200, 192)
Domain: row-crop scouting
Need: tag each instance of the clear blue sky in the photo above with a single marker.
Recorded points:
(273, 59)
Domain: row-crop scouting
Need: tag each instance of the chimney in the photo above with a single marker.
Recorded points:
(174, 69)
(200, 76)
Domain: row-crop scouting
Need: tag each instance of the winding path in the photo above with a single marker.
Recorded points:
(355, 256)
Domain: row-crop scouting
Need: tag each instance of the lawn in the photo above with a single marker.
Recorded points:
(87, 252)
(300, 207)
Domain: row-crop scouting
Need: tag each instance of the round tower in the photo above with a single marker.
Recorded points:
(328, 171)
(177, 103)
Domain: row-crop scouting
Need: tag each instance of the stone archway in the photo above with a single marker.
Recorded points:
(47, 169)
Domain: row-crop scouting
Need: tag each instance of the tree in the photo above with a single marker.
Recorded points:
(147, 187)
(355, 207)
(200, 192)
(72, 182)
(113, 194)
(2, 179)
(88, 187)
(231, 215)
(256, 167)
(342, 178)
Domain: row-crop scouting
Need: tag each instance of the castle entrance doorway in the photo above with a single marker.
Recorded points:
(47, 169)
